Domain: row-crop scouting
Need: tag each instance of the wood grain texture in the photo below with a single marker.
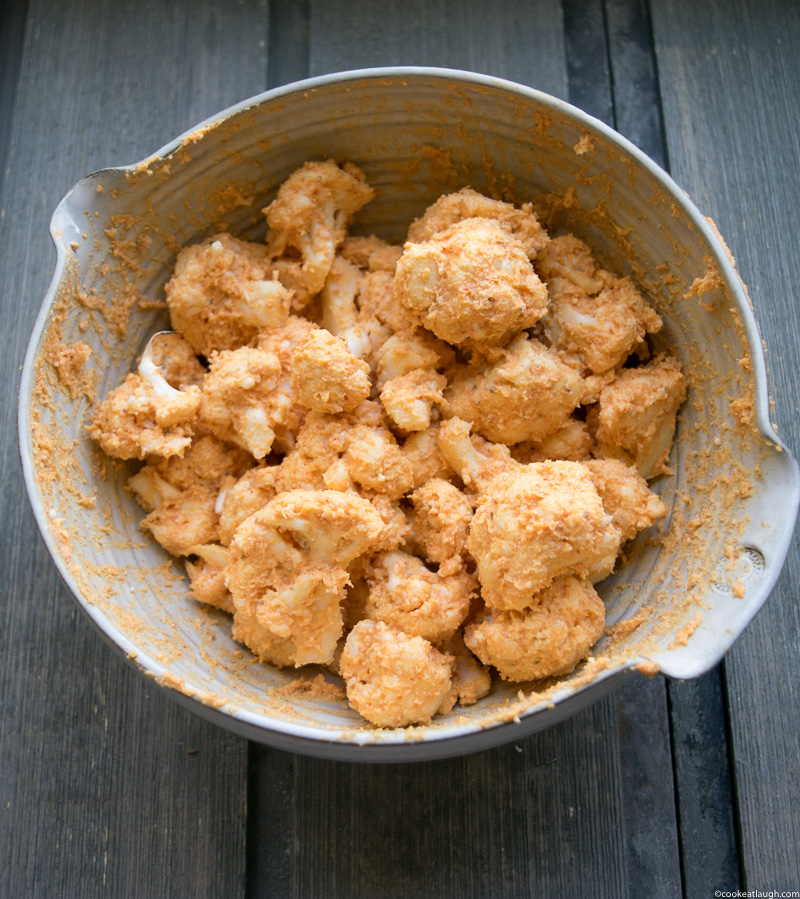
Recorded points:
(520, 41)
(729, 81)
(588, 63)
(698, 720)
(12, 30)
(566, 813)
(108, 787)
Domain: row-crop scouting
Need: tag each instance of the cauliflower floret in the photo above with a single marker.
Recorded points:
(593, 329)
(573, 443)
(472, 284)
(174, 356)
(393, 679)
(207, 576)
(470, 680)
(636, 415)
(357, 326)
(376, 301)
(371, 253)
(318, 447)
(287, 571)
(223, 292)
(408, 351)
(567, 265)
(467, 203)
(476, 461)
(625, 495)
(422, 603)
(338, 297)
(239, 501)
(184, 519)
(408, 400)
(145, 415)
(396, 527)
(239, 399)
(546, 640)
(421, 449)
(440, 523)
(208, 461)
(326, 376)
(310, 214)
(528, 394)
(376, 462)
(535, 525)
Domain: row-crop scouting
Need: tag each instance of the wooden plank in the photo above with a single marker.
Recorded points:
(108, 787)
(547, 815)
(634, 77)
(12, 29)
(588, 63)
(697, 714)
(523, 43)
(560, 813)
(288, 41)
(704, 786)
(729, 81)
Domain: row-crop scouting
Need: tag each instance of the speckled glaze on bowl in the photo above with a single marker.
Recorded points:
(416, 133)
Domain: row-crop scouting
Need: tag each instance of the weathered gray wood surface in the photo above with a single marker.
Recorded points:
(730, 83)
(634, 797)
(99, 793)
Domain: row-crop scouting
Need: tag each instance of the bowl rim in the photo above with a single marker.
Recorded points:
(440, 741)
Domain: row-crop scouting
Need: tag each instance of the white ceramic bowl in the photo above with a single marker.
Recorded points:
(416, 133)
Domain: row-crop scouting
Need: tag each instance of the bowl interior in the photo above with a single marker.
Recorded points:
(702, 574)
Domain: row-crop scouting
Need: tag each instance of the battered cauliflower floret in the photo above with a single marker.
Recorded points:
(636, 415)
(237, 502)
(338, 297)
(409, 399)
(626, 496)
(440, 523)
(421, 449)
(528, 394)
(376, 301)
(476, 461)
(408, 351)
(207, 576)
(208, 461)
(546, 640)
(318, 448)
(573, 443)
(326, 376)
(184, 518)
(182, 494)
(287, 572)
(223, 293)
(396, 526)
(467, 203)
(532, 526)
(594, 329)
(175, 358)
(422, 603)
(239, 399)
(393, 679)
(472, 284)
(145, 416)
(567, 265)
(471, 681)
(357, 326)
(375, 461)
(310, 215)
(371, 253)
